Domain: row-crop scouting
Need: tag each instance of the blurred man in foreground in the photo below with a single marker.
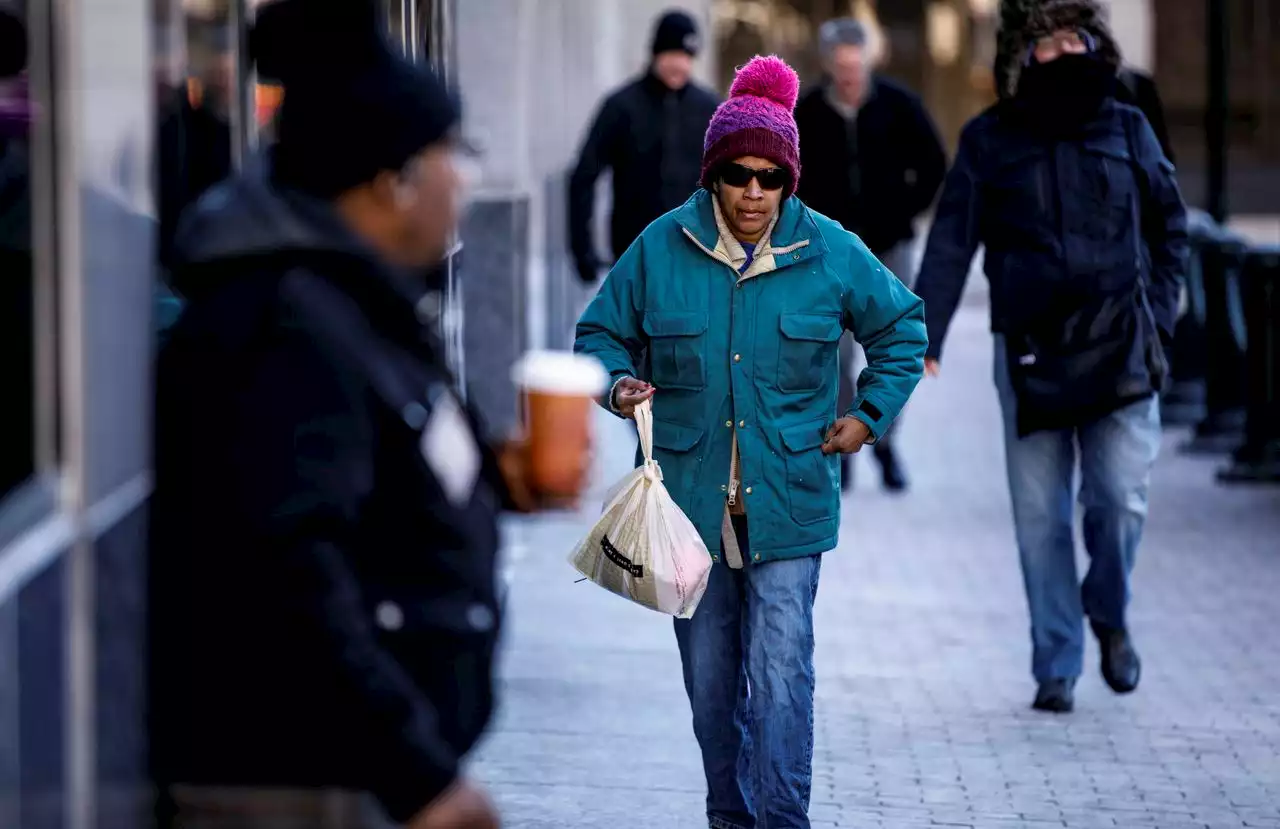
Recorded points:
(324, 609)
(873, 162)
(647, 133)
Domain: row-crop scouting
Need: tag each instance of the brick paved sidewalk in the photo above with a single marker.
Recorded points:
(923, 660)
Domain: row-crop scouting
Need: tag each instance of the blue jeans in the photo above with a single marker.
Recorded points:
(1115, 456)
(747, 655)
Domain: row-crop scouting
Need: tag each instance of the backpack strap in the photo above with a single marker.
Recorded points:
(1141, 178)
(1138, 211)
(1129, 80)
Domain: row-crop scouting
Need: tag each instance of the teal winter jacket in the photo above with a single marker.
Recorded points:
(756, 356)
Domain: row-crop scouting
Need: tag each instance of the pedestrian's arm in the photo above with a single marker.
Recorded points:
(805, 190)
(953, 240)
(888, 321)
(610, 329)
(1164, 228)
(596, 155)
(310, 468)
(929, 157)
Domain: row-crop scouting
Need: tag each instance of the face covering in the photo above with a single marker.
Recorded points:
(1063, 94)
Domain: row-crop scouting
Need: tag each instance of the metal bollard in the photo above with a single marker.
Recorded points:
(1221, 430)
(1258, 459)
(1183, 403)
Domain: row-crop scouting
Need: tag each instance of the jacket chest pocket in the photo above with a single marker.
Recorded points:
(811, 475)
(1020, 191)
(807, 350)
(1103, 214)
(1107, 189)
(677, 348)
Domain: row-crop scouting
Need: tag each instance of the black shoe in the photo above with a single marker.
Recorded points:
(895, 479)
(1121, 667)
(1056, 695)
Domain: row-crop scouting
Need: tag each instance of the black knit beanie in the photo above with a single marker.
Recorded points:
(353, 106)
(13, 40)
(676, 32)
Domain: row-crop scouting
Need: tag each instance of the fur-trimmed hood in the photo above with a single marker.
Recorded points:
(1022, 22)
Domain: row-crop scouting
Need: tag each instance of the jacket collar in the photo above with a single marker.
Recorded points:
(824, 91)
(729, 245)
(655, 87)
(794, 236)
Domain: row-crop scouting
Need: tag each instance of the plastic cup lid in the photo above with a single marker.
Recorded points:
(560, 372)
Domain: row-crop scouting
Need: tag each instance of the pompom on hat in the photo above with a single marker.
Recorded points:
(756, 120)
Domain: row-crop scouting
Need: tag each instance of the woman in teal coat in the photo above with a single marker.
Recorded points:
(731, 308)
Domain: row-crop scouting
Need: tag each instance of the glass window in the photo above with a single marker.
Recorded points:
(17, 282)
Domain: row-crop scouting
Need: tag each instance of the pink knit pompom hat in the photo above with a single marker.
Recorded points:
(756, 120)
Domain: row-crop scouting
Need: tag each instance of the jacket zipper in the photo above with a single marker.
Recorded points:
(734, 473)
(1055, 186)
(735, 467)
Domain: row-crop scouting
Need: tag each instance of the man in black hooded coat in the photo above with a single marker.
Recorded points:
(649, 135)
(324, 607)
(1086, 239)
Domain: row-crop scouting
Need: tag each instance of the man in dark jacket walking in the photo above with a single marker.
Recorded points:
(873, 161)
(1085, 236)
(649, 134)
(323, 596)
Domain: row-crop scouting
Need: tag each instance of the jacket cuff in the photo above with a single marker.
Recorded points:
(611, 402)
(873, 415)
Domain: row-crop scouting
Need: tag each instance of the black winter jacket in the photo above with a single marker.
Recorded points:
(323, 603)
(1066, 224)
(877, 177)
(650, 138)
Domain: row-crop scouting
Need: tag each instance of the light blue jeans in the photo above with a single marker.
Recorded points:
(1115, 455)
(747, 655)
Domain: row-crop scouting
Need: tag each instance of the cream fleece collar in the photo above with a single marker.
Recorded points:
(732, 250)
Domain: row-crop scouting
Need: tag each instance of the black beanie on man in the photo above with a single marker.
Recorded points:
(13, 40)
(676, 32)
(353, 105)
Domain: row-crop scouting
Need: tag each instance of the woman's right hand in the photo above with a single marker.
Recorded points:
(629, 393)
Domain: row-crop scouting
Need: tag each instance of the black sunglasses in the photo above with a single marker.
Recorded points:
(739, 175)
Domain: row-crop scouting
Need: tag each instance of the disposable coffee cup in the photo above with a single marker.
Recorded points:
(558, 390)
